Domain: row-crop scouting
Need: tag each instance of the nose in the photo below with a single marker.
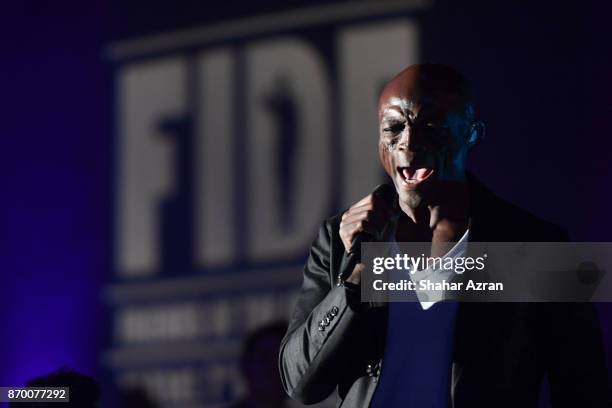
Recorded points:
(408, 142)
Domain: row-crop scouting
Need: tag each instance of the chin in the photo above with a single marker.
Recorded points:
(410, 198)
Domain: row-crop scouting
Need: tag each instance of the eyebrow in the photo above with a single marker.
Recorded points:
(392, 121)
(392, 111)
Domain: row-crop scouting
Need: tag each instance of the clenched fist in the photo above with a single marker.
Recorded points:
(370, 215)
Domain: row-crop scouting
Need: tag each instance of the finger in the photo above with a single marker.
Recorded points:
(357, 210)
(362, 207)
(354, 228)
(367, 199)
(352, 216)
(378, 216)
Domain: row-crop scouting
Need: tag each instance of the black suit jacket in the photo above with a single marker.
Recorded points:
(501, 351)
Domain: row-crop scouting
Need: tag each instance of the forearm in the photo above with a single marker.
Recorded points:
(314, 350)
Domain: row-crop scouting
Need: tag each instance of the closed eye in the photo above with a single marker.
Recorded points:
(395, 128)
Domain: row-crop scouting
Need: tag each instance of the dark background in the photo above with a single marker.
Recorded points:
(541, 77)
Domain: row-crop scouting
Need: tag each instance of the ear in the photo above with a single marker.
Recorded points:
(476, 133)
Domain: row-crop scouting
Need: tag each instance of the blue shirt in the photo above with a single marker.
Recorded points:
(418, 354)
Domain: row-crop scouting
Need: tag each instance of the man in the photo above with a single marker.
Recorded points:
(449, 354)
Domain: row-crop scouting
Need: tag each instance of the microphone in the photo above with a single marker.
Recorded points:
(387, 193)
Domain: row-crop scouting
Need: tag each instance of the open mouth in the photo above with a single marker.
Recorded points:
(412, 175)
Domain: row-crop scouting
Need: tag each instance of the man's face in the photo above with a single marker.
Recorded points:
(423, 137)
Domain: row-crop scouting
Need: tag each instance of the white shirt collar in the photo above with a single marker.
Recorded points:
(426, 298)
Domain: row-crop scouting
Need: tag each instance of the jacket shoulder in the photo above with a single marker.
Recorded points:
(520, 224)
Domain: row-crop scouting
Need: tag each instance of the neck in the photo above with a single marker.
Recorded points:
(444, 211)
(419, 215)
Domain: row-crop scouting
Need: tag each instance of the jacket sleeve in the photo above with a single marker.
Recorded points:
(316, 344)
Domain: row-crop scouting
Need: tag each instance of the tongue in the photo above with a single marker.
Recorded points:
(416, 174)
(408, 173)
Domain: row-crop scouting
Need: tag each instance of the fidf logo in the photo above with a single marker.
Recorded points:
(234, 142)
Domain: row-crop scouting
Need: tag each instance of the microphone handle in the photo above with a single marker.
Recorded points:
(350, 260)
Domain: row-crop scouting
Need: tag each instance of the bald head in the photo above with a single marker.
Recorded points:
(429, 84)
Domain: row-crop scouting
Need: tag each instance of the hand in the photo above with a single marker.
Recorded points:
(369, 215)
